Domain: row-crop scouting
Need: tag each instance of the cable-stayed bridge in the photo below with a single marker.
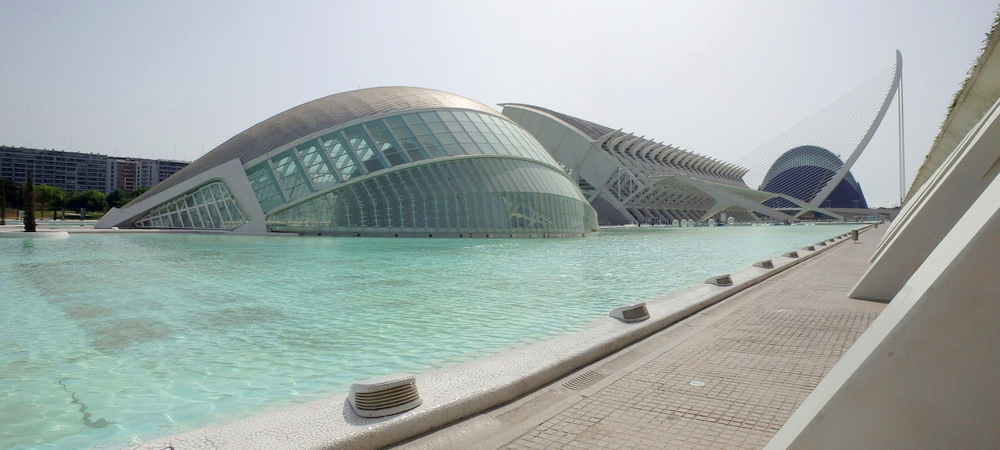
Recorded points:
(811, 162)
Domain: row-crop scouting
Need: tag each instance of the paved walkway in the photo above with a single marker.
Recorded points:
(728, 377)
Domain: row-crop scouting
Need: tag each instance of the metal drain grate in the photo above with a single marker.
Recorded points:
(720, 280)
(584, 380)
(635, 312)
(384, 396)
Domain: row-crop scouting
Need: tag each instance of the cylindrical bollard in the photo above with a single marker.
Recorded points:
(854, 235)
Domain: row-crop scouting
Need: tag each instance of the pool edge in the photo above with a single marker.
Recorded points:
(457, 392)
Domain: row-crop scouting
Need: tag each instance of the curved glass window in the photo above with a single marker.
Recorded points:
(341, 155)
(212, 206)
(386, 143)
(290, 174)
(481, 195)
(317, 164)
(367, 154)
(265, 186)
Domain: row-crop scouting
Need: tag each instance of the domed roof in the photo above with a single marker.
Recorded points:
(802, 171)
(315, 116)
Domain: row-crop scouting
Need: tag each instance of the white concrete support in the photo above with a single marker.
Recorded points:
(930, 213)
(574, 149)
(231, 173)
(924, 374)
(725, 196)
(832, 184)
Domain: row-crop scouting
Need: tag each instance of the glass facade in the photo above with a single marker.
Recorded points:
(468, 195)
(444, 171)
(316, 164)
(210, 207)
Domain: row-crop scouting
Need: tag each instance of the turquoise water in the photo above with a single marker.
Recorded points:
(111, 339)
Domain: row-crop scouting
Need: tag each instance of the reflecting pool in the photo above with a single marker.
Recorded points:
(112, 339)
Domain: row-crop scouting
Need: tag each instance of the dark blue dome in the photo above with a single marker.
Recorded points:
(803, 171)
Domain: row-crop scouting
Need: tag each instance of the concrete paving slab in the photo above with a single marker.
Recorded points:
(727, 377)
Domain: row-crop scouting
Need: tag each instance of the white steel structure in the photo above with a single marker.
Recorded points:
(812, 160)
(629, 178)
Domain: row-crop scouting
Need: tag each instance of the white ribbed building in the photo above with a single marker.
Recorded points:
(629, 178)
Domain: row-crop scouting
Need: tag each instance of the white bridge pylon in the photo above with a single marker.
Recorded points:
(818, 200)
(844, 128)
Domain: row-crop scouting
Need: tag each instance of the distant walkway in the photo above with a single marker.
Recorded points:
(728, 377)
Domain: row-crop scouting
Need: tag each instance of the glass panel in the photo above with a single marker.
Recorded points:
(323, 181)
(206, 218)
(454, 127)
(413, 119)
(437, 127)
(483, 128)
(223, 214)
(491, 148)
(505, 141)
(452, 196)
(265, 186)
(395, 122)
(343, 159)
(429, 117)
(317, 166)
(469, 127)
(364, 148)
(420, 129)
(447, 116)
(201, 215)
(436, 151)
(195, 218)
(471, 148)
(410, 144)
(291, 176)
(298, 191)
(308, 154)
(477, 137)
(446, 138)
(430, 143)
(386, 143)
(235, 211)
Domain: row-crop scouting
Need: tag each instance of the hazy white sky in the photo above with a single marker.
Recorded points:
(174, 79)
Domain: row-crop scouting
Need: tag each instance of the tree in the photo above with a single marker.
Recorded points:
(12, 191)
(119, 198)
(29, 204)
(88, 200)
(48, 196)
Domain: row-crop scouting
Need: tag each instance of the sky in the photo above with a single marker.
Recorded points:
(174, 79)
